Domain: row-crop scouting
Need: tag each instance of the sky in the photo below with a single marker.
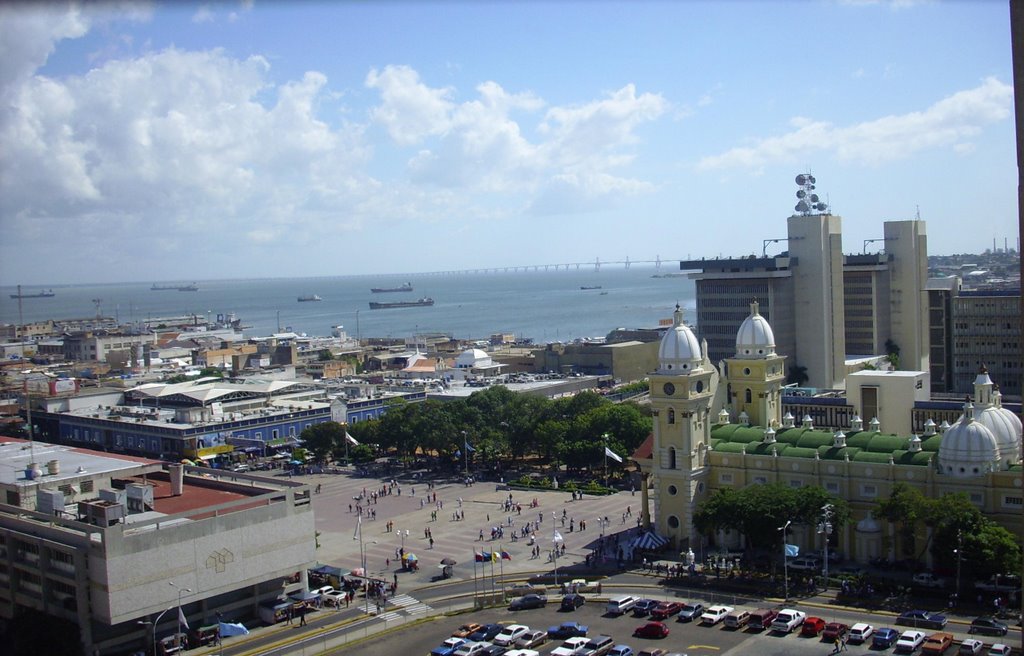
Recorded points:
(188, 141)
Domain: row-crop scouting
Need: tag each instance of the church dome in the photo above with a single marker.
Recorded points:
(755, 338)
(968, 448)
(679, 351)
(1004, 425)
(472, 358)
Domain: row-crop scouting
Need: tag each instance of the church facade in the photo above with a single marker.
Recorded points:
(722, 427)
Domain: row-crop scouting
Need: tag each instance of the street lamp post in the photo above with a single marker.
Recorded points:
(154, 624)
(181, 590)
(826, 527)
(465, 450)
(604, 442)
(959, 556)
(785, 561)
(556, 539)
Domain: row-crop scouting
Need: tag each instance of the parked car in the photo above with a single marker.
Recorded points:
(567, 630)
(834, 631)
(464, 630)
(448, 647)
(335, 598)
(971, 647)
(884, 638)
(805, 564)
(652, 651)
(922, 619)
(860, 632)
(494, 650)
(909, 641)
(621, 650)
(486, 633)
(471, 648)
(510, 634)
(1000, 649)
(665, 610)
(620, 605)
(598, 646)
(737, 619)
(690, 611)
(572, 601)
(643, 607)
(520, 589)
(528, 601)
(787, 620)
(531, 639)
(651, 630)
(762, 618)
(813, 626)
(522, 652)
(571, 647)
(987, 625)
(937, 643)
(928, 580)
(715, 614)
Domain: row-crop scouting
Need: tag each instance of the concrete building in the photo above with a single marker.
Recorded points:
(941, 292)
(823, 306)
(625, 361)
(113, 347)
(705, 440)
(101, 545)
(986, 331)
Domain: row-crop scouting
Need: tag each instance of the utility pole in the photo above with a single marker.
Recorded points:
(785, 559)
(825, 527)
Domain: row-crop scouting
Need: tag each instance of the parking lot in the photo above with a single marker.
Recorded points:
(686, 638)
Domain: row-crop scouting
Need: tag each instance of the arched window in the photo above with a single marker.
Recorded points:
(671, 416)
(749, 396)
(671, 457)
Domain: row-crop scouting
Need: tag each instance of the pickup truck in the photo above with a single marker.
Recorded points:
(928, 580)
(787, 620)
(580, 585)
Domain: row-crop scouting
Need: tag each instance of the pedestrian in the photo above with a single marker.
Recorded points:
(431, 543)
(289, 620)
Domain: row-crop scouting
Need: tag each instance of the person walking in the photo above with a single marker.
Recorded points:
(302, 615)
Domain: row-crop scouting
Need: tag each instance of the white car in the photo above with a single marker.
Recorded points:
(571, 647)
(788, 619)
(471, 648)
(909, 641)
(510, 634)
(334, 598)
(715, 614)
(971, 647)
(999, 649)
(860, 632)
(522, 652)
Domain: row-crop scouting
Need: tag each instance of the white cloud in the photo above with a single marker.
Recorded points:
(945, 124)
(203, 15)
(410, 111)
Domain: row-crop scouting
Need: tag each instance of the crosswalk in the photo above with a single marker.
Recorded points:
(407, 603)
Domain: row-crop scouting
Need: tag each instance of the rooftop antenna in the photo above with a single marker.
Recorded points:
(808, 202)
(917, 214)
(97, 302)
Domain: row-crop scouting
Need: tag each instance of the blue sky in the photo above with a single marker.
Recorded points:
(194, 141)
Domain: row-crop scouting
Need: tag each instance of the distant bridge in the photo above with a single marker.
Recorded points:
(566, 266)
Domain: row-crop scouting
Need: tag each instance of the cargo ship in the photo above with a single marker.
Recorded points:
(311, 297)
(48, 293)
(407, 287)
(401, 304)
(593, 287)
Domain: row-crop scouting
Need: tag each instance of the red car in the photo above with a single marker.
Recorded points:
(812, 627)
(665, 610)
(651, 630)
(835, 631)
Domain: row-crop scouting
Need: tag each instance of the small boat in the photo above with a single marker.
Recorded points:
(406, 287)
(401, 304)
(311, 297)
(46, 293)
(593, 287)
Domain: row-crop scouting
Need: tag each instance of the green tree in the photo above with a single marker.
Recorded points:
(323, 439)
(797, 375)
(904, 508)
(362, 453)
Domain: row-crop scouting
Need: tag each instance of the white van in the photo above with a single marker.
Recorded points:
(620, 605)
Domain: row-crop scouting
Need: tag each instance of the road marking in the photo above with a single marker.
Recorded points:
(705, 647)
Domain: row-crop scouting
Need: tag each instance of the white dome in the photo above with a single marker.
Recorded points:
(968, 449)
(472, 358)
(755, 338)
(679, 351)
(1004, 425)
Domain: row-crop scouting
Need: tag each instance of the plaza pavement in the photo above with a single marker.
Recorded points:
(482, 505)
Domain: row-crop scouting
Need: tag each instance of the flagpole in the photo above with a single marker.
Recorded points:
(554, 545)
(501, 566)
(605, 442)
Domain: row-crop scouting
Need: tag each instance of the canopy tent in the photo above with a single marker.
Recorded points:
(330, 570)
(649, 541)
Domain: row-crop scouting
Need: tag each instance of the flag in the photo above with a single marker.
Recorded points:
(506, 555)
(228, 629)
(351, 440)
(792, 550)
(611, 454)
(478, 557)
(469, 449)
(181, 618)
(494, 556)
(458, 453)
(557, 538)
(486, 555)
(359, 527)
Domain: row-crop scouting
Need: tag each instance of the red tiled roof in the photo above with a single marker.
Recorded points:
(645, 450)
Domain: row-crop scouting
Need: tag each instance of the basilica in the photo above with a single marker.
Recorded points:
(723, 427)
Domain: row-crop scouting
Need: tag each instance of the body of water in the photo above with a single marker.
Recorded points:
(542, 305)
